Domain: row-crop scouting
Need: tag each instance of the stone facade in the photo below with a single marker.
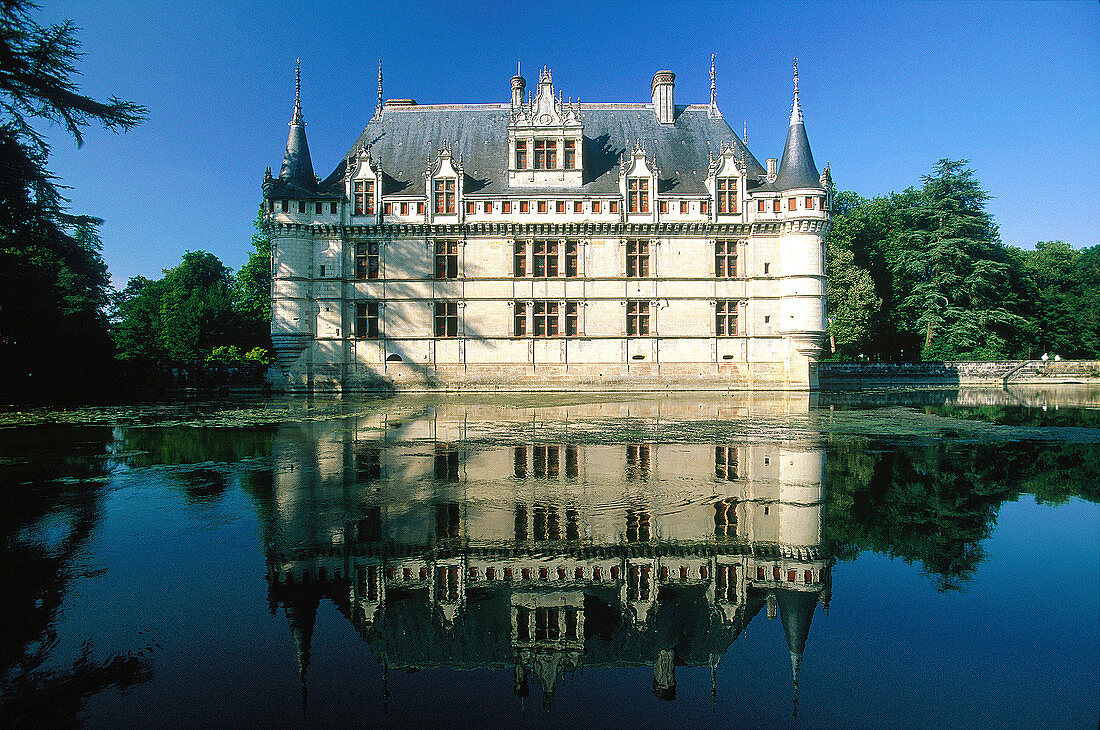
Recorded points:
(549, 245)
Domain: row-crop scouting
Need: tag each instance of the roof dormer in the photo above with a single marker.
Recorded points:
(443, 182)
(726, 182)
(545, 138)
(638, 177)
(363, 186)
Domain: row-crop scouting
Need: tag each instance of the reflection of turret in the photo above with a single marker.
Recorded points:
(301, 614)
(796, 611)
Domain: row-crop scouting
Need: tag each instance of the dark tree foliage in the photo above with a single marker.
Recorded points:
(252, 290)
(1066, 298)
(53, 282)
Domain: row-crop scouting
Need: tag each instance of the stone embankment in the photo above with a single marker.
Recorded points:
(945, 374)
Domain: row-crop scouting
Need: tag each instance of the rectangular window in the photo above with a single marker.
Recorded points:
(662, 206)
(809, 202)
(323, 268)
(570, 154)
(285, 205)
(823, 201)
(578, 207)
(637, 195)
(614, 206)
(519, 259)
(520, 320)
(792, 203)
(318, 208)
(572, 319)
(524, 206)
(546, 154)
(570, 258)
(542, 206)
(366, 319)
(506, 206)
(760, 206)
(725, 464)
(727, 195)
(487, 207)
(446, 259)
(332, 207)
(301, 206)
(725, 259)
(271, 206)
(445, 196)
(684, 209)
(545, 260)
(544, 319)
(637, 259)
(471, 208)
(775, 205)
(388, 208)
(404, 209)
(704, 207)
(366, 261)
(725, 317)
(637, 318)
(363, 200)
(560, 207)
(420, 209)
(446, 319)
(521, 154)
(595, 206)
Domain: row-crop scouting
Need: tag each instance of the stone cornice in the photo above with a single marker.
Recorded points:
(511, 229)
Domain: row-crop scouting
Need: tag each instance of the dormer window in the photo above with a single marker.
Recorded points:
(546, 154)
(727, 195)
(364, 197)
(521, 155)
(445, 197)
(637, 195)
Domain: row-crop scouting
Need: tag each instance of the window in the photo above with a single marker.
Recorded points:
(271, 206)
(725, 259)
(727, 195)
(404, 209)
(519, 259)
(725, 520)
(595, 206)
(487, 207)
(546, 154)
(637, 195)
(823, 203)
(323, 270)
(767, 266)
(578, 207)
(388, 208)
(545, 319)
(560, 207)
(545, 260)
(446, 319)
(520, 320)
(684, 208)
(704, 207)
(725, 318)
(809, 202)
(301, 206)
(506, 206)
(420, 209)
(792, 203)
(726, 583)
(471, 208)
(542, 206)
(445, 196)
(521, 154)
(572, 320)
(332, 207)
(524, 206)
(366, 261)
(637, 259)
(285, 205)
(637, 318)
(725, 463)
(775, 205)
(570, 154)
(637, 528)
(364, 197)
(570, 258)
(446, 259)
(318, 207)
(662, 206)
(760, 206)
(366, 319)
(614, 206)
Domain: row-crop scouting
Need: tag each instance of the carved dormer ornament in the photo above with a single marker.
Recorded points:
(546, 139)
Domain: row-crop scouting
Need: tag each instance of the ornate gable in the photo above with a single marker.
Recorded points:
(545, 139)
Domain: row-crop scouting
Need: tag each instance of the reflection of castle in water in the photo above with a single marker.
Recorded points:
(550, 553)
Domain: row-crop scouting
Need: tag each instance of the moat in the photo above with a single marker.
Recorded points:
(893, 558)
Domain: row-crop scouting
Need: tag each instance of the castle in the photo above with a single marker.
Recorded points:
(546, 244)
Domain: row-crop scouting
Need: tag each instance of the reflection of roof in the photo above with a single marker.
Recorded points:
(404, 138)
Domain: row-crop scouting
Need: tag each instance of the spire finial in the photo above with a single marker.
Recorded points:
(745, 132)
(379, 86)
(796, 111)
(297, 118)
(713, 82)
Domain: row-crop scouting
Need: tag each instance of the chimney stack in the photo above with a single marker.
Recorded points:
(518, 85)
(663, 83)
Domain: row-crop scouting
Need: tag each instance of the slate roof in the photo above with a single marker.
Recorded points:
(402, 140)
(797, 169)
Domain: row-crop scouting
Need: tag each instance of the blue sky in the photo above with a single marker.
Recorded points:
(887, 89)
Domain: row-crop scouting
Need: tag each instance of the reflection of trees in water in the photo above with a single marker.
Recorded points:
(39, 560)
(936, 501)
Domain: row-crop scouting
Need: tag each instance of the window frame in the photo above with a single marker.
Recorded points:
(446, 319)
(363, 197)
(725, 259)
(725, 190)
(368, 260)
(638, 323)
(725, 318)
(446, 259)
(444, 191)
(368, 322)
(637, 259)
(637, 194)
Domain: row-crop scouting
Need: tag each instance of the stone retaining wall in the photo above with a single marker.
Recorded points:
(848, 375)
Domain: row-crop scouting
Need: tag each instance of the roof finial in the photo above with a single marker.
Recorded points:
(745, 132)
(380, 86)
(796, 111)
(713, 83)
(297, 118)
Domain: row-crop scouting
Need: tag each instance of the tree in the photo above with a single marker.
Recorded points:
(252, 290)
(53, 282)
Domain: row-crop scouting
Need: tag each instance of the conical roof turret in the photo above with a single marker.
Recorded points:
(297, 169)
(797, 169)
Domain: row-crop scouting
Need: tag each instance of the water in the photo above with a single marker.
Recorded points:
(869, 559)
